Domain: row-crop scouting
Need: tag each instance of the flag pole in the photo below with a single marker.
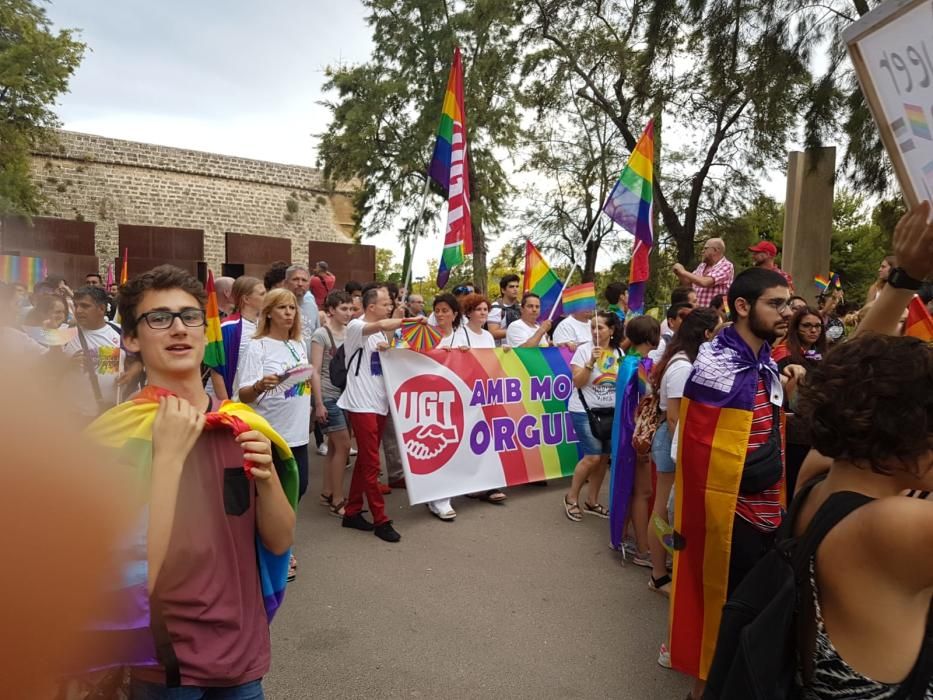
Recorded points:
(573, 267)
(419, 228)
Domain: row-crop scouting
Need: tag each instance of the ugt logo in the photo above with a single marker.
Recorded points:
(430, 416)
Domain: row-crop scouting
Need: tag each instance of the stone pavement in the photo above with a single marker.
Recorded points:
(510, 601)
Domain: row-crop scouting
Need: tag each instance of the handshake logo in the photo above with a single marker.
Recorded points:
(431, 420)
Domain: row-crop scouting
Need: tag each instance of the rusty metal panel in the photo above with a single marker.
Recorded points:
(255, 251)
(165, 243)
(347, 261)
(47, 234)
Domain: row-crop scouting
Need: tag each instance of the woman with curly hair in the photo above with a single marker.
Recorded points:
(870, 407)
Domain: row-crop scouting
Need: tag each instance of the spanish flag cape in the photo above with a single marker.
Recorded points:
(124, 636)
(713, 431)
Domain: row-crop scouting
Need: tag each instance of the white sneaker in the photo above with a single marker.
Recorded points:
(664, 657)
(322, 449)
(353, 452)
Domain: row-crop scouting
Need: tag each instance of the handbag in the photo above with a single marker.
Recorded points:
(600, 418)
(764, 466)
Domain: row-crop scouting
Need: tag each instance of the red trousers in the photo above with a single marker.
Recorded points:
(367, 427)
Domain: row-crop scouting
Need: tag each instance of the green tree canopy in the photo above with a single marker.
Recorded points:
(36, 64)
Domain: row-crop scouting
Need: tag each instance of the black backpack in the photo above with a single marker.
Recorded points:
(339, 366)
(767, 630)
(509, 313)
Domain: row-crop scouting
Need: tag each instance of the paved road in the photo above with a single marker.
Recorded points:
(508, 601)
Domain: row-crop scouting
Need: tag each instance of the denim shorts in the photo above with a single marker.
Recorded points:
(140, 690)
(661, 449)
(589, 444)
(336, 418)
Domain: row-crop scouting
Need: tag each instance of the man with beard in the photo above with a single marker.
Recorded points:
(730, 469)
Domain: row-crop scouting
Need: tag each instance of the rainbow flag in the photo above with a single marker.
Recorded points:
(714, 428)
(542, 280)
(630, 205)
(124, 270)
(580, 298)
(919, 322)
(19, 269)
(450, 170)
(127, 430)
(831, 280)
(214, 356)
(631, 385)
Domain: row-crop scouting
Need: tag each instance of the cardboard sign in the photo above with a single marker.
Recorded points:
(892, 51)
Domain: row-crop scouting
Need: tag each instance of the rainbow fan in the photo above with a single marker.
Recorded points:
(420, 336)
(51, 337)
(295, 375)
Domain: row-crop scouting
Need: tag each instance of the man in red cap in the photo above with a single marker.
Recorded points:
(763, 254)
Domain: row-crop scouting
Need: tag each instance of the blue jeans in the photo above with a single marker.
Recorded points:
(140, 690)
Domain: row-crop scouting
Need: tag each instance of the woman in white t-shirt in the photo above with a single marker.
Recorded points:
(447, 315)
(472, 334)
(237, 330)
(668, 378)
(276, 348)
(595, 369)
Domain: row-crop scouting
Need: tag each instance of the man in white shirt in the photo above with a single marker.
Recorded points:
(298, 280)
(98, 356)
(526, 332)
(367, 406)
(575, 330)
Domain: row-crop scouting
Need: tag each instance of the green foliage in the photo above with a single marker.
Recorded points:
(387, 270)
(35, 67)
(859, 243)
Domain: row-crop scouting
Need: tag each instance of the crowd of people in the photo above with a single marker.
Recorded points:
(823, 395)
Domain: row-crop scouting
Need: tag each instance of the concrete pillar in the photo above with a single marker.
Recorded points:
(808, 217)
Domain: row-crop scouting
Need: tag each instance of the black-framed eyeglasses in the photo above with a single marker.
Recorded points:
(160, 320)
(812, 326)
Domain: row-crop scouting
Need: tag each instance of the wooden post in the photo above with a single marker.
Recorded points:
(808, 217)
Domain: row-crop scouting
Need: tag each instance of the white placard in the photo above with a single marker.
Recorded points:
(892, 51)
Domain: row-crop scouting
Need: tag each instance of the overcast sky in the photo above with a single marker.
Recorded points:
(236, 77)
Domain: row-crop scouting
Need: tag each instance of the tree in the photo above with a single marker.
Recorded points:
(386, 111)
(577, 153)
(35, 67)
(732, 75)
(387, 270)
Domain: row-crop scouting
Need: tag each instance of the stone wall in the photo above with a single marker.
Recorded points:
(111, 182)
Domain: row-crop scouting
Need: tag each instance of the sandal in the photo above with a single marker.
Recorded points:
(661, 585)
(326, 499)
(338, 509)
(292, 569)
(597, 509)
(572, 511)
(495, 496)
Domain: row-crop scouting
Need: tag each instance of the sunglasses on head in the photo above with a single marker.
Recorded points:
(463, 290)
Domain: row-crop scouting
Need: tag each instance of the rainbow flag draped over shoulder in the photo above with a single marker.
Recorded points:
(20, 269)
(214, 352)
(630, 205)
(919, 322)
(713, 434)
(450, 170)
(540, 279)
(127, 430)
(579, 298)
(630, 387)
